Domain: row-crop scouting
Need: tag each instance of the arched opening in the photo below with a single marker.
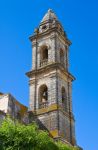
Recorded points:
(44, 55)
(43, 96)
(64, 98)
(61, 56)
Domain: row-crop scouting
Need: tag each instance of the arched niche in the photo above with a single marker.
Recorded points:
(43, 55)
(43, 96)
(62, 56)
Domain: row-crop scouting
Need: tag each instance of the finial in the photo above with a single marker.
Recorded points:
(50, 10)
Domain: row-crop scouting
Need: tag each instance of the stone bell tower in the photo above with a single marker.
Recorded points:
(50, 80)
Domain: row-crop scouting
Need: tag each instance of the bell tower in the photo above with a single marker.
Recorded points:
(50, 80)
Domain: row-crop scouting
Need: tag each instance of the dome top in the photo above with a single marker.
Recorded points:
(50, 15)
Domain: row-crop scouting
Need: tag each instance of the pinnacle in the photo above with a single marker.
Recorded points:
(50, 10)
(50, 15)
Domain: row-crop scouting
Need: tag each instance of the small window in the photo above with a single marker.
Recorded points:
(64, 98)
(61, 56)
(44, 27)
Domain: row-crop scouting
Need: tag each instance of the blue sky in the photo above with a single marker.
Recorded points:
(18, 19)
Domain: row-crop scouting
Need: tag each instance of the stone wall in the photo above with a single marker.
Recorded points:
(49, 120)
(54, 45)
(2, 116)
(55, 76)
(48, 79)
(4, 103)
(9, 105)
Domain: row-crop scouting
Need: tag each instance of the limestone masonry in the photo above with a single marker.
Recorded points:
(50, 83)
(10, 106)
(50, 80)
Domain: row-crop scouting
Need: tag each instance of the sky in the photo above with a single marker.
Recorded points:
(18, 19)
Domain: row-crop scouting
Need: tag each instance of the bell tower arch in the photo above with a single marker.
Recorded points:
(50, 81)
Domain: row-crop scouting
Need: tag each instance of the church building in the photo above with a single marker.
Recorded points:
(50, 81)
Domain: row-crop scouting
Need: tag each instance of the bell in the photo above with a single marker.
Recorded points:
(43, 100)
(44, 94)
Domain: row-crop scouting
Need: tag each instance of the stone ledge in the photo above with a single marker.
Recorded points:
(51, 108)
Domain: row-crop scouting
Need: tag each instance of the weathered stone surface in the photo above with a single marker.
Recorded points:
(2, 116)
(50, 64)
(10, 106)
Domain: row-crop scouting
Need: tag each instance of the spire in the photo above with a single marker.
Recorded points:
(50, 15)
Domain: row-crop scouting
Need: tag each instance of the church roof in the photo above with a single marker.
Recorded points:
(50, 15)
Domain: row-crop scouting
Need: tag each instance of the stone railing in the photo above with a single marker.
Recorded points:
(43, 105)
(44, 62)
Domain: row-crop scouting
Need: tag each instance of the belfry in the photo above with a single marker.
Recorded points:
(50, 81)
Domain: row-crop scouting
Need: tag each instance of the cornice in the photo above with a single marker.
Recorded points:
(50, 67)
(52, 108)
(55, 29)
